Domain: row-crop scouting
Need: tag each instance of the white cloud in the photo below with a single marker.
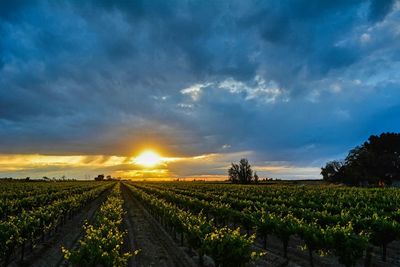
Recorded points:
(185, 106)
(233, 86)
(195, 90)
(365, 38)
(314, 96)
(267, 91)
(260, 89)
(335, 88)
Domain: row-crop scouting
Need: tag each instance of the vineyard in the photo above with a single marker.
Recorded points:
(197, 224)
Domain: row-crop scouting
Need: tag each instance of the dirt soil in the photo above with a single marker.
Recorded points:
(146, 234)
(48, 253)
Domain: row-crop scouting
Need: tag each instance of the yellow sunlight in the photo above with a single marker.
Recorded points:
(148, 159)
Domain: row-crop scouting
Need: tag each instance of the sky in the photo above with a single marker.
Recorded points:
(86, 86)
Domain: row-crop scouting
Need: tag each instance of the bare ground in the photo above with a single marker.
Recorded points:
(48, 253)
(146, 234)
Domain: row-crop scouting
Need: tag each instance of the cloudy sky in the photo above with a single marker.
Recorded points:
(85, 86)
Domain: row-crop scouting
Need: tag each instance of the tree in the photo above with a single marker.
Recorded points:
(332, 171)
(99, 177)
(376, 161)
(233, 173)
(256, 178)
(241, 173)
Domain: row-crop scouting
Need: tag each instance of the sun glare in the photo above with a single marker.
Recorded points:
(148, 158)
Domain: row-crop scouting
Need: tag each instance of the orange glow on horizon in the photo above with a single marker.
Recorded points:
(151, 163)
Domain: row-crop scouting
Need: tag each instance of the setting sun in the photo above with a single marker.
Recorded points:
(148, 158)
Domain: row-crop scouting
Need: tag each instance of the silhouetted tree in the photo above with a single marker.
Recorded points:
(233, 173)
(99, 177)
(333, 171)
(376, 161)
(241, 173)
(256, 178)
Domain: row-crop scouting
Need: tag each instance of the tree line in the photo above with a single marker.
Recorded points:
(375, 162)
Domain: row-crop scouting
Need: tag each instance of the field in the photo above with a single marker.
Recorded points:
(197, 224)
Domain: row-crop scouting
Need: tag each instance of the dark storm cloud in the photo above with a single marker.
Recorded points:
(10, 10)
(379, 9)
(298, 81)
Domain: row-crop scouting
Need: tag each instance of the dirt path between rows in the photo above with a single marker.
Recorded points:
(48, 253)
(145, 233)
